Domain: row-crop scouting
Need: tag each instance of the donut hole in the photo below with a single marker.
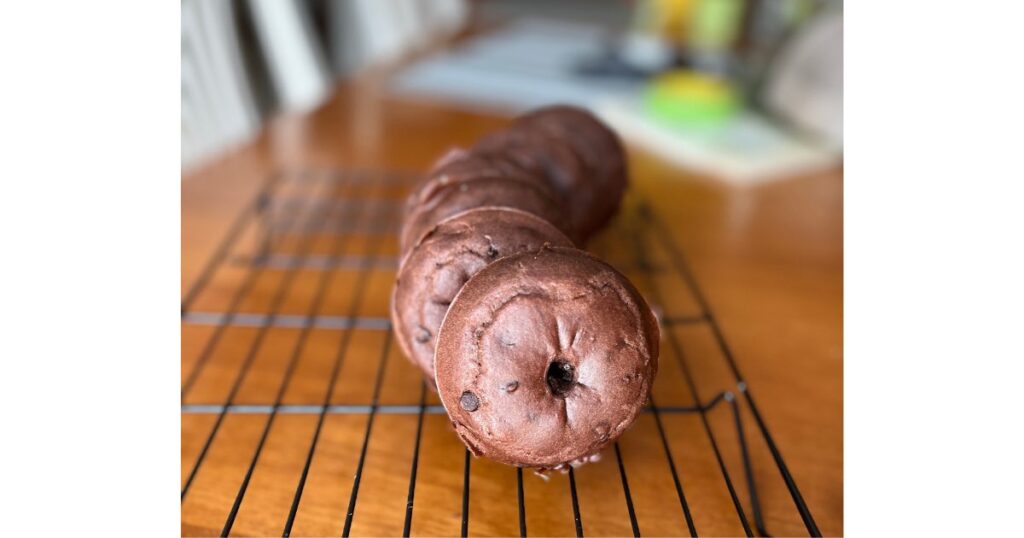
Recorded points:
(561, 378)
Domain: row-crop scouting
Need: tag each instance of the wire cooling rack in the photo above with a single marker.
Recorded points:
(300, 417)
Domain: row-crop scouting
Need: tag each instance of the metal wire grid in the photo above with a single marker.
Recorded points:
(370, 206)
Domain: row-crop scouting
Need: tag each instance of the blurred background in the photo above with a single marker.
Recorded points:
(742, 90)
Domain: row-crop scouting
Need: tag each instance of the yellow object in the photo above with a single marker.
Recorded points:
(667, 19)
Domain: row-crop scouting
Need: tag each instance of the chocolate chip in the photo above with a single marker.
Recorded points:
(422, 335)
(469, 401)
(491, 251)
(510, 387)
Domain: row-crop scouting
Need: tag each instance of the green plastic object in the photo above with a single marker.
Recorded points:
(689, 99)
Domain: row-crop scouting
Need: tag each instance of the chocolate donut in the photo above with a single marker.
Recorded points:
(582, 159)
(447, 200)
(549, 156)
(458, 165)
(545, 357)
(597, 146)
(433, 272)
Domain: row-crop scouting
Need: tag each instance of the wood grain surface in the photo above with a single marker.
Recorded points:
(766, 260)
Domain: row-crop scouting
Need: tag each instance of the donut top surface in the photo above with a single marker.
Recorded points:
(545, 357)
(433, 272)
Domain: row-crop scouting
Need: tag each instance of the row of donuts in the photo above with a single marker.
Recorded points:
(542, 354)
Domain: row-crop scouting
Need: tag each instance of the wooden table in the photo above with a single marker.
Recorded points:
(766, 264)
